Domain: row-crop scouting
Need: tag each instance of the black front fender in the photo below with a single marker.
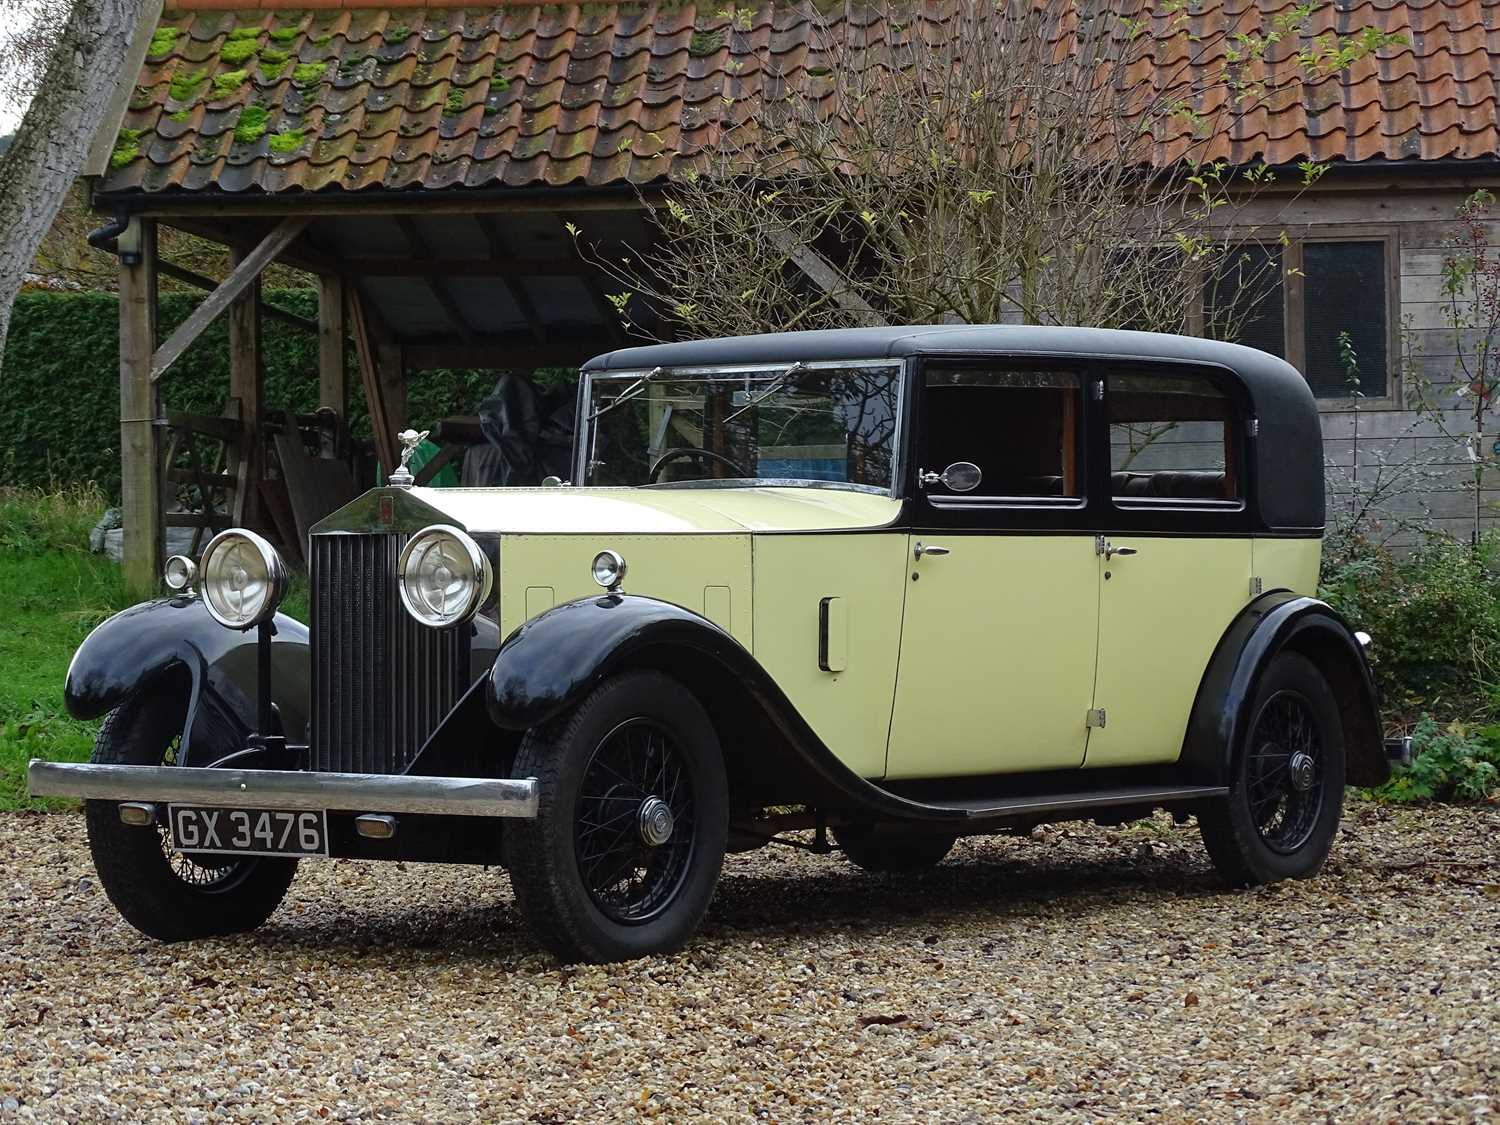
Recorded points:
(140, 645)
(1275, 622)
(554, 660)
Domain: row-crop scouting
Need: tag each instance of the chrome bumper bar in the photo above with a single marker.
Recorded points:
(1399, 750)
(285, 789)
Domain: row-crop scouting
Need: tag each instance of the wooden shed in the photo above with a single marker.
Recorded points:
(425, 161)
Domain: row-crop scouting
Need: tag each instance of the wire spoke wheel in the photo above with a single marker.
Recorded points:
(634, 822)
(201, 872)
(1285, 772)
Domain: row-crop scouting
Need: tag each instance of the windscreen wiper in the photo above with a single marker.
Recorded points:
(629, 392)
(776, 385)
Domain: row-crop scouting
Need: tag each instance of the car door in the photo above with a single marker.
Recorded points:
(998, 640)
(1174, 564)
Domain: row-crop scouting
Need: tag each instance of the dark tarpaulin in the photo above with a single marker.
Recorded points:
(528, 431)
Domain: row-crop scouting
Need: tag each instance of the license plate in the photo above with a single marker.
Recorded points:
(218, 831)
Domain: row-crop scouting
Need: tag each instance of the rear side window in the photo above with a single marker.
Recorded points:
(1171, 440)
(1020, 427)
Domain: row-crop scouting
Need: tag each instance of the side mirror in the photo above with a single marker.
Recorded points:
(961, 476)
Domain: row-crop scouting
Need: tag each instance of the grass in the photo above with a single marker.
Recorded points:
(52, 592)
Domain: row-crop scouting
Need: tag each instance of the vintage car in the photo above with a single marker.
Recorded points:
(878, 587)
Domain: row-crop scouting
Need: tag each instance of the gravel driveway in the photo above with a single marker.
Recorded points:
(1082, 973)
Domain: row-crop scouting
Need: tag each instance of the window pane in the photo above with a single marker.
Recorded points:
(1169, 439)
(1345, 292)
(1019, 427)
(1245, 300)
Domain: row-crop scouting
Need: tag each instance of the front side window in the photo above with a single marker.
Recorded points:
(832, 424)
(1322, 305)
(1170, 441)
(1019, 427)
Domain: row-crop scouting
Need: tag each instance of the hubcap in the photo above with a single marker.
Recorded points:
(1284, 772)
(654, 821)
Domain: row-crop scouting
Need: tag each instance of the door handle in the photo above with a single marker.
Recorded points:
(923, 549)
(1111, 551)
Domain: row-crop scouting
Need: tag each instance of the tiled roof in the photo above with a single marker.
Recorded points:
(242, 97)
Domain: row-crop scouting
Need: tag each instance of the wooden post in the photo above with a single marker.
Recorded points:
(391, 365)
(140, 467)
(333, 373)
(247, 383)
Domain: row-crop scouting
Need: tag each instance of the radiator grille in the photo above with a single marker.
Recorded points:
(381, 681)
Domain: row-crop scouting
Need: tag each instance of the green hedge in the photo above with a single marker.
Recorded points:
(60, 387)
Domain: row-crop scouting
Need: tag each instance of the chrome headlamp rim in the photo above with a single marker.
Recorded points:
(276, 578)
(479, 590)
(179, 573)
(608, 570)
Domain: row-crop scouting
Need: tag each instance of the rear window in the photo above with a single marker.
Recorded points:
(1171, 440)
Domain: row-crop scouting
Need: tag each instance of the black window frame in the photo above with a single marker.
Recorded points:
(1082, 369)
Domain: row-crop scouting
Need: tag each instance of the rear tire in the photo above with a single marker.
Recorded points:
(162, 893)
(879, 852)
(1286, 791)
(623, 856)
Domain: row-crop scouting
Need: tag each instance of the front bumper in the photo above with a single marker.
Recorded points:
(285, 789)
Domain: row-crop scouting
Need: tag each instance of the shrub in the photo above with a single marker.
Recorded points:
(1435, 618)
(1453, 763)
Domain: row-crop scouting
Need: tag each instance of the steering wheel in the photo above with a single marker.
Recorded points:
(692, 451)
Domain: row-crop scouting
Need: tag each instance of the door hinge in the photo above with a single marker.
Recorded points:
(1257, 587)
(1095, 718)
(1252, 427)
(1100, 546)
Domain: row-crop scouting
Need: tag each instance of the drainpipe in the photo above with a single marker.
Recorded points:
(104, 237)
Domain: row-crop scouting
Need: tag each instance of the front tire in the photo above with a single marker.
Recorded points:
(163, 893)
(623, 856)
(1286, 790)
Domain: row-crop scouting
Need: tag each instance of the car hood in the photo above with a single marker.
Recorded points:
(560, 511)
(619, 511)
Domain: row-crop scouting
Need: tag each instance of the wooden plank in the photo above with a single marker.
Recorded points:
(140, 482)
(225, 429)
(435, 280)
(202, 281)
(246, 271)
(369, 376)
(315, 486)
(822, 274)
(333, 367)
(506, 201)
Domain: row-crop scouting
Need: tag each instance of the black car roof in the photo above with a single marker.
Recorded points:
(1291, 477)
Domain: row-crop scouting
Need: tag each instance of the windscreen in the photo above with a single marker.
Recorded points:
(834, 424)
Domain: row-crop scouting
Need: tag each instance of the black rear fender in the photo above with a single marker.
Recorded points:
(1282, 621)
(152, 643)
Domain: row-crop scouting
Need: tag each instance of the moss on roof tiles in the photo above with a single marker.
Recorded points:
(162, 41)
(251, 124)
(184, 85)
(127, 148)
(228, 82)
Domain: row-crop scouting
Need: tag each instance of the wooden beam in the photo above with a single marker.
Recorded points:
(409, 202)
(247, 383)
(823, 274)
(333, 369)
(246, 271)
(201, 281)
(427, 265)
(435, 282)
(140, 465)
(500, 253)
(369, 375)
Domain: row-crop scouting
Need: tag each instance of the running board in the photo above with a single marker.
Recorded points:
(989, 808)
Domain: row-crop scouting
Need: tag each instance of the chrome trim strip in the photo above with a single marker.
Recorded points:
(285, 789)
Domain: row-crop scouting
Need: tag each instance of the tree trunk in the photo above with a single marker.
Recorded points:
(81, 76)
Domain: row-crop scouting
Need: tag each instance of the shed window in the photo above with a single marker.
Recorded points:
(1295, 301)
(1170, 440)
